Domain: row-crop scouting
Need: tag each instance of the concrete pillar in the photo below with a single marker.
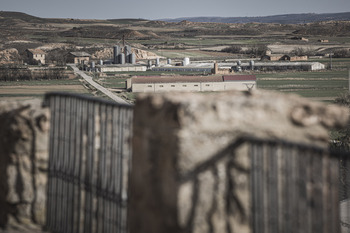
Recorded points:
(186, 177)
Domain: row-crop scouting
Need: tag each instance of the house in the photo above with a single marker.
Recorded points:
(191, 83)
(78, 57)
(35, 56)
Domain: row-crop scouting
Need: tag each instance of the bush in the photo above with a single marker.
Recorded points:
(343, 135)
(341, 53)
(303, 52)
(232, 49)
(257, 50)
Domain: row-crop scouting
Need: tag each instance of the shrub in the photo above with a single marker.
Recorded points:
(257, 50)
(341, 53)
(232, 49)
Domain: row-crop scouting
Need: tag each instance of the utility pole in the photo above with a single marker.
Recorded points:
(349, 77)
(330, 55)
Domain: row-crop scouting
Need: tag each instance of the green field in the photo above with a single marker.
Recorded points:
(325, 84)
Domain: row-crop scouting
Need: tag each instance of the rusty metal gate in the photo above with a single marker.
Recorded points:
(90, 152)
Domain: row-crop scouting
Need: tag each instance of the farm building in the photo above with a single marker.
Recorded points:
(78, 57)
(121, 68)
(206, 69)
(274, 66)
(283, 57)
(36, 56)
(191, 83)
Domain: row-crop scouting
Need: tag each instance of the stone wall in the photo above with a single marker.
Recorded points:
(184, 176)
(24, 128)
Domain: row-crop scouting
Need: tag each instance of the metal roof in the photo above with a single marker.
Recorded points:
(80, 54)
(175, 79)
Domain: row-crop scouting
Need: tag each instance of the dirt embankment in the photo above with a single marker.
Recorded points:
(9, 56)
(107, 53)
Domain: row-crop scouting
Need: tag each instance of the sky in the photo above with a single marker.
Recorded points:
(161, 9)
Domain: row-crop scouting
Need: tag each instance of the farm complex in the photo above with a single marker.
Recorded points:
(131, 56)
(211, 127)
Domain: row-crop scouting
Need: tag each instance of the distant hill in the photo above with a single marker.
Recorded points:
(282, 19)
(9, 15)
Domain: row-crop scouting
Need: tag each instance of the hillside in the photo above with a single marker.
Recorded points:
(282, 19)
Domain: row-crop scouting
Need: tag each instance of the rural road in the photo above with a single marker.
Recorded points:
(88, 79)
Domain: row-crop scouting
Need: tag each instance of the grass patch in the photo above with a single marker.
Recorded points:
(112, 82)
(332, 93)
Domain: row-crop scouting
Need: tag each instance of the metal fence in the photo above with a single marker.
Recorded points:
(90, 152)
(344, 189)
(294, 188)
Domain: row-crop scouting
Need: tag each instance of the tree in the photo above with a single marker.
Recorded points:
(342, 136)
(257, 50)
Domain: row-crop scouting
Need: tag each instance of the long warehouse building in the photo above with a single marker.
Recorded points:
(191, 83)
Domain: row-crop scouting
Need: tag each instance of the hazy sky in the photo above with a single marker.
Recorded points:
(158, 9)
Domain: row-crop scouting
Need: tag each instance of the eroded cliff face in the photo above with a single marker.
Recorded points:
(24, 130)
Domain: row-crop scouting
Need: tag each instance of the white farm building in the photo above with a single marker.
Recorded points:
(191, 83)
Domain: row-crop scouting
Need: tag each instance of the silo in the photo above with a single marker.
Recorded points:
(157, 61)
(169, 61)
(93, 66)
(121, 58)
(116, 52)
(149, 63)
(239, 68)
(127, 52)
(101, 62)
(186, 61)
(251, 63)
(132, 58)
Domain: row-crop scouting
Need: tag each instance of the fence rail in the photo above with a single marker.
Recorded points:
(90, 151)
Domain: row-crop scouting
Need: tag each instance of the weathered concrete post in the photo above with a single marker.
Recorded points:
(24, 129)
(182, 179)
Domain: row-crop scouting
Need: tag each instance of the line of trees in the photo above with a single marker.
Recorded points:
(19, 74)
(253, 51)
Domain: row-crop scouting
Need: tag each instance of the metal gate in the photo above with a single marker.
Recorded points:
(90, 153)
